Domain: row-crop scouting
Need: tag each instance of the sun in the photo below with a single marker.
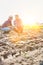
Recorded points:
(30, 22)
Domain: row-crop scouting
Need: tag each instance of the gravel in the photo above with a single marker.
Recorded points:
(25, 51)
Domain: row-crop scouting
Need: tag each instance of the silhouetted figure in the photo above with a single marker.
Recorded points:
(18, 24)
(6, 26)
(8, 22)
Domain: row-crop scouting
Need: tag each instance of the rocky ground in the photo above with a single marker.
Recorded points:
(21, 49)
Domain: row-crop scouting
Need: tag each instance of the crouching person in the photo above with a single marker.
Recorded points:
(7, 24)
(18, 26)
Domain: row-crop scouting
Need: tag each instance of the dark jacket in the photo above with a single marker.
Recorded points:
(7, 23)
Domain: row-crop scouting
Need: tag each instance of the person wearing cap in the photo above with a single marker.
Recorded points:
(18, 24)
(7, 24)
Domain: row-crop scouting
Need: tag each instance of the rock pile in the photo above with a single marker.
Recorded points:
(26, 51)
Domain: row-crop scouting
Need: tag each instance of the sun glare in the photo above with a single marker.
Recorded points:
(30, 23)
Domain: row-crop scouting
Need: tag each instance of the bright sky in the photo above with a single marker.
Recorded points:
(29, 10)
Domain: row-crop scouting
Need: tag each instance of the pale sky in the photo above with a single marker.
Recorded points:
(27, 9)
